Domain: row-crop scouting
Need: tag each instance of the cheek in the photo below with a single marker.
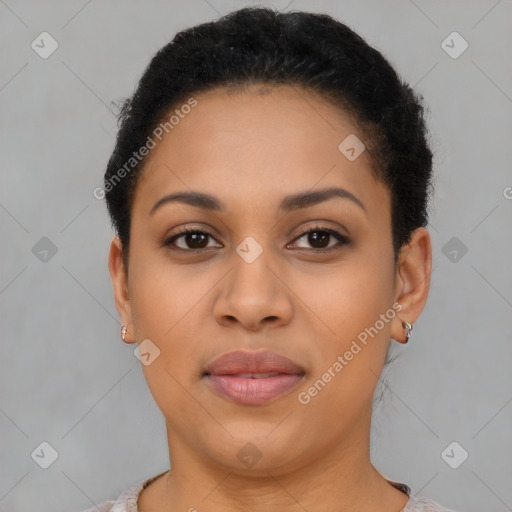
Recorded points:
(349, 359)
(163, 294)
(170, 307)
(350, 303)
(164, 303)
(350, 297)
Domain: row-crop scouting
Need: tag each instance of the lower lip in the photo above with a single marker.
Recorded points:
(253, 391)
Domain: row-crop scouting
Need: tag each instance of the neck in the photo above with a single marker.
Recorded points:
(341, 478)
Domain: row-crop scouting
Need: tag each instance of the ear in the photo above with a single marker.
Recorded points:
(119, 279)
(412, 281)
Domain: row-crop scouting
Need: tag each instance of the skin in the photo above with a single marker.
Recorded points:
(250, 149)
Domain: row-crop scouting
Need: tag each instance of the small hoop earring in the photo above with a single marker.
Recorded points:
(124, 330)
(408, 330)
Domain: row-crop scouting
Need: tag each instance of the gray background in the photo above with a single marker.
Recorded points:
(65, 376)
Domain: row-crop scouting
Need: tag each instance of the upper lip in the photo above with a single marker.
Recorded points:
(243, 362)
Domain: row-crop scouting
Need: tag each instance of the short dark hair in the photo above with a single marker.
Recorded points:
(312, 51)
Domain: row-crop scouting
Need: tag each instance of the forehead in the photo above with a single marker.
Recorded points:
(250, 147)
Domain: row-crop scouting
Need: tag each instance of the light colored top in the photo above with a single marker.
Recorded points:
(127, 501)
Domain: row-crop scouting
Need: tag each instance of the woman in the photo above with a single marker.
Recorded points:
(269, 190)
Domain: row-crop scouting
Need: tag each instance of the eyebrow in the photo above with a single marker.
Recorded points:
(291, 202)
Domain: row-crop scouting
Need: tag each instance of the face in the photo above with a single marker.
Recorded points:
(291, 252)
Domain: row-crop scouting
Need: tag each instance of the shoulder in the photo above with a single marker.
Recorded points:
(127, 501)
(420, 504)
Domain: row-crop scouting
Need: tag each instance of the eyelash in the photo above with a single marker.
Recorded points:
(342, 240)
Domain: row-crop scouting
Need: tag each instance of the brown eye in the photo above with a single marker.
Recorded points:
(190, 239)
(196, 240)
(319, 237)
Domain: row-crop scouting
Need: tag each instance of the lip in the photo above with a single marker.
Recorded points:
(253, 378)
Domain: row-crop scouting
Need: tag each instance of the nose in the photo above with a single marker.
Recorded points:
(254, 295)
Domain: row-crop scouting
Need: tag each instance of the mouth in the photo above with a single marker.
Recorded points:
(256, 375)
(253, 378)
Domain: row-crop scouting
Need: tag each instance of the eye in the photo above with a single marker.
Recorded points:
(319, 237)
(193, 240)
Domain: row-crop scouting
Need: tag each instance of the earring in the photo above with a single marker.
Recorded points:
(124, 330)
(408, 329)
